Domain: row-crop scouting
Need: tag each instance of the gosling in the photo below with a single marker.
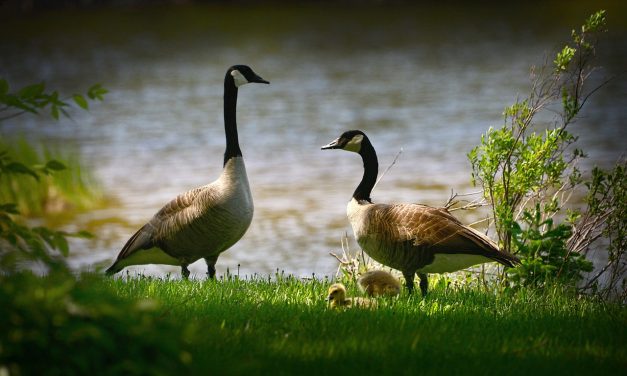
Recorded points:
(337, 299)
(379, 283)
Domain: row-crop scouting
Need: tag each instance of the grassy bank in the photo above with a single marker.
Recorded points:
(158, 326)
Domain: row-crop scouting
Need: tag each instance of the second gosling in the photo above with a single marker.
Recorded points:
(337, 298)
(379, 283)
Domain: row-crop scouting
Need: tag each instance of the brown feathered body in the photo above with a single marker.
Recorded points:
(411, 238)
(379, 283)
(201, 223)
(417, 238)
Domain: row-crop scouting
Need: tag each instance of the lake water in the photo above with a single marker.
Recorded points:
(429, 80)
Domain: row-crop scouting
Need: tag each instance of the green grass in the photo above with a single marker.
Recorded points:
(231, 326)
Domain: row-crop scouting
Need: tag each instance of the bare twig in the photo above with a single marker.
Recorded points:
(388, 169)
(470, 205)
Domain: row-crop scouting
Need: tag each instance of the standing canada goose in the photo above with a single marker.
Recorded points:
(337, 298)
(205, 221)
(379, 283)
(411, 238)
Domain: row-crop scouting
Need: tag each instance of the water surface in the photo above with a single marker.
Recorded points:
(429, 80)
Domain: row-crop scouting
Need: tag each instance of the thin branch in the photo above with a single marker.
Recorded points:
(388, 169)
(480, 221)
(585, 99)
(8, 117)
(450, 202)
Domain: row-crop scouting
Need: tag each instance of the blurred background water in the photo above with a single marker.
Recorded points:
(428, 78)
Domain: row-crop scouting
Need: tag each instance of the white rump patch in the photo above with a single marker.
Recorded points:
(355, 143)
(149, 256)
(451, 262)
(238, 78)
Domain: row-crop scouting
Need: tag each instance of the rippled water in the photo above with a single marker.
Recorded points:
(429, 81)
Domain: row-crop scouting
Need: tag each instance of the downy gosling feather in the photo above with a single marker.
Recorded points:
(337, 298)
(379, 283)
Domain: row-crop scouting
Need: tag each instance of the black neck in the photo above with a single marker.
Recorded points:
(230, 123)
(371, 169)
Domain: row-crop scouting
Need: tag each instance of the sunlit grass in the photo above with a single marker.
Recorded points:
(282, 325)
(259, 325)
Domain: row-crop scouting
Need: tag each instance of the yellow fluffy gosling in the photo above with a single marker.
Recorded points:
(379, 283)
(337, 298)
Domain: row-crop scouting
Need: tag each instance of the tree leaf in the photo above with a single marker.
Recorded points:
(54, 111)
(81, 101)
(16, 102)
(10, 208)
(55, 165)
(19, 168)
(96, 92)
(61, 243)
(32, 91)
(83, 234)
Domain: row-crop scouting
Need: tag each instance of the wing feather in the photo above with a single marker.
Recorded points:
(436, 230)
(170, 218)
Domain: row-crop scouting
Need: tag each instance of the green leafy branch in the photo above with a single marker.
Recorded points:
(606, 216)
(20, 242)
(527, 175)
(34, 98)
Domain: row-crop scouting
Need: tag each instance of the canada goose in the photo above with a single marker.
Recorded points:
(378, 283)
(411, 238)
(205, 221)
(337, 298)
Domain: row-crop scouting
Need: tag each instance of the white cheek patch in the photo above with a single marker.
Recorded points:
(354, 144)
(238, 78)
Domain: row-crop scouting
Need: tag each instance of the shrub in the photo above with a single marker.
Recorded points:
(527, 174)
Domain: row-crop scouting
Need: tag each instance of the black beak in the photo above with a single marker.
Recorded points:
(335, 144)
(260, 80)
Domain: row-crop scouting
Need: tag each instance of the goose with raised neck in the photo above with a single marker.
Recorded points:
(207, 220)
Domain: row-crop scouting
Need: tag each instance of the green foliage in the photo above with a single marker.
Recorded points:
(525, 172)
(39, 183)
(563, 59)
(25, 183)
(281, 325)
(607, 216)
(60, 325)
(21, 245)
(541, 244)
(606, 194)
(34, 98)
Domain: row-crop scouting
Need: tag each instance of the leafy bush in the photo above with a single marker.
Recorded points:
(60, 325)
(545, 256)
(606, 216)
(19, 242)
(527, 175)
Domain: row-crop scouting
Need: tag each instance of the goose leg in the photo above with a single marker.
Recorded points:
(424, 284)
(184, 271)
(211, 267)
(409, 280)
